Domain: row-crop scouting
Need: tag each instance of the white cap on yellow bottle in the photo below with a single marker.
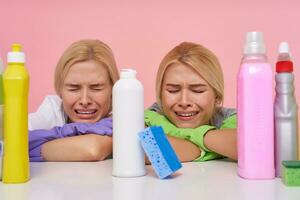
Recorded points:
(1, 66)
(16, 55)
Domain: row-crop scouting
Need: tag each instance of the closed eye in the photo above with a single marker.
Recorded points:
(97, 89)
(173, 91)
(199, 91)
(72, 89)
(198, 88)
(172, 88)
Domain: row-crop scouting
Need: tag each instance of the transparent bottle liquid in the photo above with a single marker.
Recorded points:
(128, 120)
(255, 112)
(285, 110)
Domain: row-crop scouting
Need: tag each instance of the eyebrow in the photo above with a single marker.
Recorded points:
(172, 85)
(71, 84)
(191, 85)
(97, 85)
(76, 84)
(198, 85)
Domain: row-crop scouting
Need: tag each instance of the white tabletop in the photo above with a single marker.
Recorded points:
(93, 180)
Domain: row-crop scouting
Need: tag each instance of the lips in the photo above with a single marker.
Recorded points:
(187, 114)
(85, 112)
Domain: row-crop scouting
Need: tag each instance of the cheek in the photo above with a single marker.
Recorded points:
(207, 102)
(68, 107)
(69, 98)
(103, 99)
(203, 101)
(106, 103)
(168, 100)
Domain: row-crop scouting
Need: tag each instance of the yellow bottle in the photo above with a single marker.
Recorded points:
(15, 89)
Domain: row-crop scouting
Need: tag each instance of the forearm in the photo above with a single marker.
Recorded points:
(223, 142)
(185, 150)
(89, 147)
(39, 138)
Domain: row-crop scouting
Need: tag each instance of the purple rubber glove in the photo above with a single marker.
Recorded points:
(40, 136)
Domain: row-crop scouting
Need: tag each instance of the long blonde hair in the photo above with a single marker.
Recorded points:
(81, 51)
(201, 60)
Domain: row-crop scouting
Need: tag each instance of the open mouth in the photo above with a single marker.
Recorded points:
(186, 114)
(86, 112)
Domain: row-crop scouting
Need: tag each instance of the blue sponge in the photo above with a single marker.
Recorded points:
(159, 151)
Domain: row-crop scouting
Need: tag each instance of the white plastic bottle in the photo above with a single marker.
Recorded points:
(128, 120)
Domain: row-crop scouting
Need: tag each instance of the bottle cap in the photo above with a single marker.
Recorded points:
(284, 51)
(284, 48)
(16, 55)
(285, 65)
(128, 73)
(254, 43)
(1, 66)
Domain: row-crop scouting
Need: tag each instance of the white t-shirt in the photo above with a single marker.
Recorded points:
(49, 114)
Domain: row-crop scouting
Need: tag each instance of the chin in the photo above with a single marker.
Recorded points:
(191, 123)
(185, 125)
(86, 120)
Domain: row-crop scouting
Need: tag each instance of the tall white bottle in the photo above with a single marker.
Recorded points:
(128, 120)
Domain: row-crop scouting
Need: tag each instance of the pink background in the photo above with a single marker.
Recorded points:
(141, 33)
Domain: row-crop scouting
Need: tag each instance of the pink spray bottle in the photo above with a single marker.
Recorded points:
(255, 111)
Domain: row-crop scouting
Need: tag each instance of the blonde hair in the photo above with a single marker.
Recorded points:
(201, 60)
(81, 51)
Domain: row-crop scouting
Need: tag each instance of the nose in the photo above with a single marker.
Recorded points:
(85, 99)
(184, 100)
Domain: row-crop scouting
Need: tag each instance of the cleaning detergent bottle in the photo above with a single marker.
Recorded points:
(128, 121)
(1, 117)
(15, 88)
(255, 133)
(285, 110)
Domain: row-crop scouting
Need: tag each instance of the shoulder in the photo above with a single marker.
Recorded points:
(155, 107)
(51, 103)
(49, 114)
(53, 99)
(223, 115)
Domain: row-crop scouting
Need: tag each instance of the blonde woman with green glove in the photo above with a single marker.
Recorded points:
(189, 93)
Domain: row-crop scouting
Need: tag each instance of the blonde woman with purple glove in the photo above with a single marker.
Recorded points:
(75, 124)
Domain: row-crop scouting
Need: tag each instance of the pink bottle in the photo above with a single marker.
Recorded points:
(255, 112)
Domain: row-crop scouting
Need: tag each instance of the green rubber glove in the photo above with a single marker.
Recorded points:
(153, 118)
(195, 135)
